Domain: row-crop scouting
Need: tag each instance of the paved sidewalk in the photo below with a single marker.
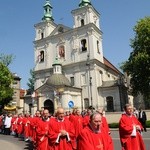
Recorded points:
(9, 142)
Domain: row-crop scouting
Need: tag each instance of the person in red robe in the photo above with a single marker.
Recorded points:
(72, 115)
(1, 122)
(105, 125)
(86, 118)
(104, 120)
(94, 136)
(78, 123)
(130, 130)
(42, 129)
(20, 125)
(14, 124)
(61, 133)
(33, 124)
(26, 127)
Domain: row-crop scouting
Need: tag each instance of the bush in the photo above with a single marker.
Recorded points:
(113, 125)
(148, 123)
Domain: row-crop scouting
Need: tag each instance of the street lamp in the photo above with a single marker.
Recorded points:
(90, 79)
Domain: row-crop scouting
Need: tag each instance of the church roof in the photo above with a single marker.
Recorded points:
(58, 80)
(110, 65)
(60, 29)
(110, 83)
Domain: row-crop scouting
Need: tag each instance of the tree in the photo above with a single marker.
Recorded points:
(138, 63)
(6, 59)
(6, 79)
(31, 82)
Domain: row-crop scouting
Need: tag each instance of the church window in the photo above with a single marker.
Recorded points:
(86, 103)
(84, 45)
(62, 51)
(82, 22)
(83, 79)
(72, 81)
(42, 35)
(41, 56)
(98, 51)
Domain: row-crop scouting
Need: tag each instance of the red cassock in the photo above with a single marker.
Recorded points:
(1, 122)
(77, 122)
(14, 124)
(105, 124)
(20, 125)
(57, 142)
(78, 125)
(89, 140)
(42, 134)
(86, 120)
(26, 127)
(34, 124)
(129, 142)
(72, 117)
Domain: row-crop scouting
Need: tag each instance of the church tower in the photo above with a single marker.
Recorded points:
(86, 19)
(41, 45)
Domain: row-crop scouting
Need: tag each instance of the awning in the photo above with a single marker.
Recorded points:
(10, 108)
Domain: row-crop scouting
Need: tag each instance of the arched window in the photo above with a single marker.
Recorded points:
(42, 35)
(110, 103)
(82, 22)
(48, 104)
(41, 56)
(84, 45)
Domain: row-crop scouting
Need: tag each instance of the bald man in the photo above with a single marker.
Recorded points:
(42, 128)
(94, 136)
(61, 133)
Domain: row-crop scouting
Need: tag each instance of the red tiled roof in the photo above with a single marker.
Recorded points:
(110, 65)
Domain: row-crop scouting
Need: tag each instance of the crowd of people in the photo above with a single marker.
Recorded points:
(73, 131)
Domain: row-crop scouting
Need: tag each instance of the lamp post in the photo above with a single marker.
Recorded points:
(90, 79)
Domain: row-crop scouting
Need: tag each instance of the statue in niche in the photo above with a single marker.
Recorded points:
(62, 51)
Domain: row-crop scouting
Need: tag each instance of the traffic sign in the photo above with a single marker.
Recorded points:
(71, 104)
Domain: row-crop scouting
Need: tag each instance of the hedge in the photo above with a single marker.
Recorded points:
(116, 125)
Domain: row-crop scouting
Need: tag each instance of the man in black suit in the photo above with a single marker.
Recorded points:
(142, 118)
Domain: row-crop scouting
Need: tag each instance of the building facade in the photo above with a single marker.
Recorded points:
(94, 81)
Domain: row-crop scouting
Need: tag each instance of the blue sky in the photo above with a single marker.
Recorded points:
(118, 17)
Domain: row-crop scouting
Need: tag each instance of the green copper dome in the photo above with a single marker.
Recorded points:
(58, 80)
(84, 3)
(47, 11)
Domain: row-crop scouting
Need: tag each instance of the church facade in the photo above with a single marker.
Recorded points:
(70, 69)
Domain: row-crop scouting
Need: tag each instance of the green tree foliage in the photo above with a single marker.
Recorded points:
(138, 63)
(6, 79)
(6, 59)
(31, 82)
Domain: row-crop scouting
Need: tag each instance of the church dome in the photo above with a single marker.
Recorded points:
(58, 80)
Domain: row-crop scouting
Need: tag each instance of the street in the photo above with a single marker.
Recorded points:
(116, 140)
(8, 142)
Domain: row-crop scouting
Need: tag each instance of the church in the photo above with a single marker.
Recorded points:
(70, 69)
